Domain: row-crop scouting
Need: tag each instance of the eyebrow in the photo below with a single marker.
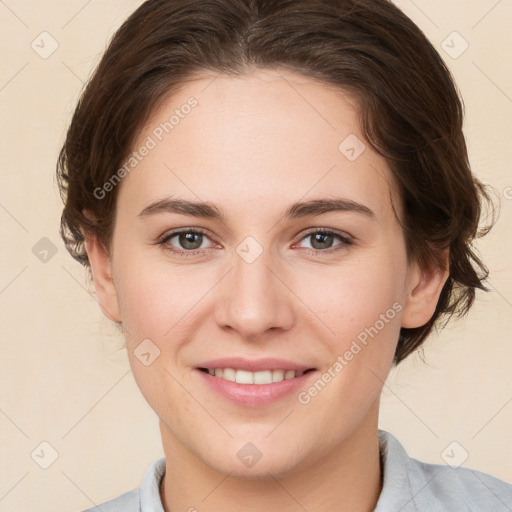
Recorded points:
(294, 211)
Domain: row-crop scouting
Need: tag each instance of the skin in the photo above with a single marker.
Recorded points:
(253, 146)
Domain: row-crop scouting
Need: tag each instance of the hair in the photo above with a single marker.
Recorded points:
(409, 109)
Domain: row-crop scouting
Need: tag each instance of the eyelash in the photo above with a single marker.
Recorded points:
(346, 240)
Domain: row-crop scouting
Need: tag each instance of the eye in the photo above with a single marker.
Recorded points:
(322, 240)
(191, 242)
(187, 242)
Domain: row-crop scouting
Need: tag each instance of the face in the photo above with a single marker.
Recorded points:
(324, 286)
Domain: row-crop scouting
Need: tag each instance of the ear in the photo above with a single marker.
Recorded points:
(102, 274)
(423, 290)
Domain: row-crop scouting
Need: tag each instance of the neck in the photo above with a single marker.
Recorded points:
(347, 478)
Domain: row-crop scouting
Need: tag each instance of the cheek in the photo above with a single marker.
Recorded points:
(361, 305)
(158, 298)
(349, 299)
(154, 295)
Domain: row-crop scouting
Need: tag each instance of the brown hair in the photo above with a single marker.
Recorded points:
(409, 110)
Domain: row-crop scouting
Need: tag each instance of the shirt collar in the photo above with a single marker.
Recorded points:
(396, 491)
(150, 500)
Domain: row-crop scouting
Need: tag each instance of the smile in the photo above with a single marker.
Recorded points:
(248, 377)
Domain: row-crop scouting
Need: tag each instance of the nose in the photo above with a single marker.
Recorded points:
(255, 298)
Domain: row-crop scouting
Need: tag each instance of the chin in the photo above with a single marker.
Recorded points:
(253, 461)
(268, 470)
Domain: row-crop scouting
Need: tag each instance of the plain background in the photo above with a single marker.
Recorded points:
(66, 381)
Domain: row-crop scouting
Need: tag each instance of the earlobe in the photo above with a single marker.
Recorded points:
(102, 275)
(424, 289)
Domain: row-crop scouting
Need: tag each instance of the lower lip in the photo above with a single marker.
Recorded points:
(255, 395)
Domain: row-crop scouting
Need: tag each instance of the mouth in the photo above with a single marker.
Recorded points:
(254, 383)
(260, 377)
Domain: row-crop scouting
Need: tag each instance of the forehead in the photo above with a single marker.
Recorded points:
(251, 139)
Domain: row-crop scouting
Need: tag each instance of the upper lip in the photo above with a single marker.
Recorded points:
(254, 365)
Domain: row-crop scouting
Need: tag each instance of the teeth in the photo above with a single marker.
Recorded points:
(246, 377)
(227, 374)
(277, 375)
(243, 377)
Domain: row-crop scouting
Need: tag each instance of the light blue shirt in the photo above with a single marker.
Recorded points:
(409, 486)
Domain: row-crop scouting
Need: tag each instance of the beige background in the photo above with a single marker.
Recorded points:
(65, 378)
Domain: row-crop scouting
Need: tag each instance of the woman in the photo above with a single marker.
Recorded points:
(275, 202)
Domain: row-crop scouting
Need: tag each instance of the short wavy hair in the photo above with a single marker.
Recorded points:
(409, 109)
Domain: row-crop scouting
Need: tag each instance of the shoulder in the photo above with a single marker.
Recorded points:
(127, 502)
(417, 485)
(459, 488)
(145, 498)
